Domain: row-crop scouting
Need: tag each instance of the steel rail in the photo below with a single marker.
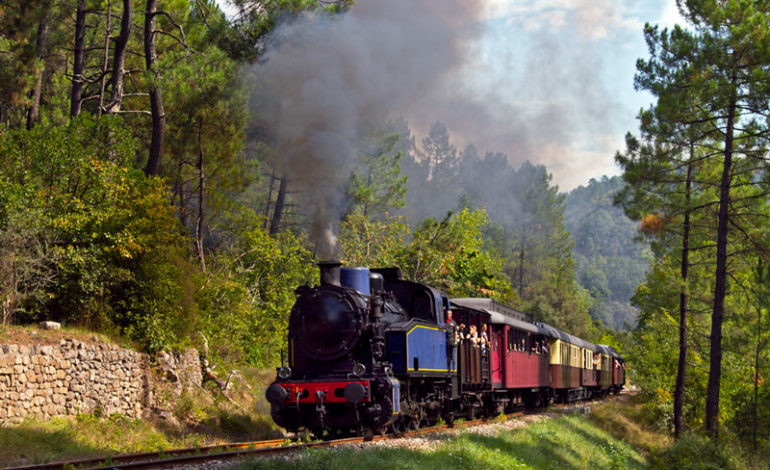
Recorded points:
(83, 463)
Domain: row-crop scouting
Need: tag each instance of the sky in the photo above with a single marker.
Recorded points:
(569, 66)
(549, 81)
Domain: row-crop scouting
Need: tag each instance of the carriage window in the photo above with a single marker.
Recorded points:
(517, 340)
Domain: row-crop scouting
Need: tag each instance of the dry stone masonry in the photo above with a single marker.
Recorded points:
(180, 370)
(72, 377)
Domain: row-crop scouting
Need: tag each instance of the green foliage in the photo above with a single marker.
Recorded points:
(377, 185)
(206, 112)
(367, 242)
(18, 59)
(742, 421)
(115, 245)
(449, 254)
(247, 297)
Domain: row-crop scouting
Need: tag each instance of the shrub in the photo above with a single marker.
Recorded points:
(111, 240)
(248, 294)
(695, 451)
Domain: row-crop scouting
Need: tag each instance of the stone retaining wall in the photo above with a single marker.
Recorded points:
(72, 377)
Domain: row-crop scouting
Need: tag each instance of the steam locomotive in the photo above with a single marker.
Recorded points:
(371, 351)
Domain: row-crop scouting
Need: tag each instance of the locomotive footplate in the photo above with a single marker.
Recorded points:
(326, 392)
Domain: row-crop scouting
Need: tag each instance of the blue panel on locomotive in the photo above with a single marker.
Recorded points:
(416, 348)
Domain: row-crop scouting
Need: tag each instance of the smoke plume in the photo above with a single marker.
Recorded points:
(328, 79)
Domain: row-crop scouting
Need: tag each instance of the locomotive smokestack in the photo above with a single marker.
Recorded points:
(330, 272)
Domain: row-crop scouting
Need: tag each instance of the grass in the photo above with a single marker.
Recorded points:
(569, 442)
(33, 442)
(626, 419)
(616, 435)
(631, 421)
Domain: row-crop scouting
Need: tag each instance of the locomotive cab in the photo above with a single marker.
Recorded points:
(421, 350)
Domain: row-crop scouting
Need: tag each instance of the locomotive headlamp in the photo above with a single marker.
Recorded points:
(359, 369)
(284, 372)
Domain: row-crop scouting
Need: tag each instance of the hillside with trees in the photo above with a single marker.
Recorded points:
(610, 260)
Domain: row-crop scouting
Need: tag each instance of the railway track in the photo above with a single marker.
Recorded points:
(198, 455)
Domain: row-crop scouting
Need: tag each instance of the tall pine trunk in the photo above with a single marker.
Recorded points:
(79, 62)
(275, 223)
(683, 300)
(106, 59)
(156, 96)
(119, 58)
(269, 199)
(33, 115)
(201, 195)
(720, 282)
(761, 302)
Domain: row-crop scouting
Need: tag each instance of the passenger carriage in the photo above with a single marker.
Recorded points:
(515, 369)
(605, 368)
(617, 370)
(531, 363)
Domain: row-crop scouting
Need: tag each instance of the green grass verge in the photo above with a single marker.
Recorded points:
(569, 442)
(616, 435)
(71, 438)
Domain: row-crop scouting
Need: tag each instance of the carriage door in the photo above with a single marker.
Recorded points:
(497, 355)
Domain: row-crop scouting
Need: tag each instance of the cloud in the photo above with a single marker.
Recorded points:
(592, 19)
(573, 164)
(670, 15)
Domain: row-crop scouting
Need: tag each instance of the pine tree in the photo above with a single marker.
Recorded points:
(714, 77)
